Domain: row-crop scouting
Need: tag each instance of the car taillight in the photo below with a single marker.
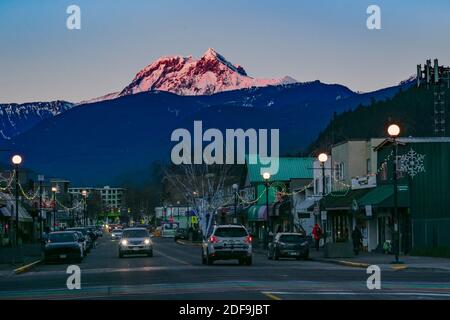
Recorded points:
(213, 239)
(248, 239)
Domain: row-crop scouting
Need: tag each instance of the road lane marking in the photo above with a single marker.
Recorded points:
(26, 267)
(172, 258)
(271, 296)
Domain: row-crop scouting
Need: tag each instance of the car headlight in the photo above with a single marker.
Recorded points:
(147, 241)
(124, 242)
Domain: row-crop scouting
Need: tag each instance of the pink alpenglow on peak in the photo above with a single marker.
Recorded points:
(212, 73)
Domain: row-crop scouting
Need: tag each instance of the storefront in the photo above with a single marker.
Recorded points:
(378, 206)
(340, 214)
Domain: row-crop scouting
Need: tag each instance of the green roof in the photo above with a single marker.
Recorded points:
(289, 168)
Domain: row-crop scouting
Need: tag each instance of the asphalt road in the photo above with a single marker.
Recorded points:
(176, 272)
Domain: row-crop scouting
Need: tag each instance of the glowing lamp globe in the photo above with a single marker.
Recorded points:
(266, 176)
(394, 130)
(323, 157)
(16, 159)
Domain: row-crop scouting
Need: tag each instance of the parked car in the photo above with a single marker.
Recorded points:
(86, 234)
(289, 245)
(83, 241)
(181, 233)
(228, 242)
(116, 234)
(63, 246)
(135, 241)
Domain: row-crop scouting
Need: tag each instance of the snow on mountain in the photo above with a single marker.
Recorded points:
(18, 118)
(212, 73)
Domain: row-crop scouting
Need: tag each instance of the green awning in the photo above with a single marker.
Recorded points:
(343, 200)
(383, 196)
(257, 213)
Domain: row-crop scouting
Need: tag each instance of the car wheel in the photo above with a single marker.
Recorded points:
(209, 260)
(275, 255)
(249, 261)
(241, 261)
(203, 258)
(306, 256)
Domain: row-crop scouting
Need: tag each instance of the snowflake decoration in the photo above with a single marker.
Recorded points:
(412, 163)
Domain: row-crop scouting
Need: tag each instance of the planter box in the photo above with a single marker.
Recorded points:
(339, 250)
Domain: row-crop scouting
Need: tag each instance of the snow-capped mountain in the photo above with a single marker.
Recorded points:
(186, 76)
(18, 118)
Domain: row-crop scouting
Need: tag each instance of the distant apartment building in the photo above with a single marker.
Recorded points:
(112, 198)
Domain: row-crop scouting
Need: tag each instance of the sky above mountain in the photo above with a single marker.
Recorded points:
(328, 40)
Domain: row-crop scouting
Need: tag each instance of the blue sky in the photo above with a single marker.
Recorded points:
(40, 59)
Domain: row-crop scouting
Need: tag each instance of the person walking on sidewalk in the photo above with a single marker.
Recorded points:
(317, 234)
(357, 239)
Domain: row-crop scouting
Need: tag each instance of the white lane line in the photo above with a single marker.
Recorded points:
(172, 258)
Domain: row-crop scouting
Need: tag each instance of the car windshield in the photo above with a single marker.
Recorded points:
(117, 231)
(135, 234)
(231, 232)
(291, 238)
(62, 237)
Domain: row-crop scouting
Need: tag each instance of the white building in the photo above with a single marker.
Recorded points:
(112, 198)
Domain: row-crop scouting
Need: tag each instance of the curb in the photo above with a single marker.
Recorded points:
(342, 263)
(187, 243)
(26, 267)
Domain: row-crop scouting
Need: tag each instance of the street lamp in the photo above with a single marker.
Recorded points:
(235, 189)
(54, 190)
(394, 132)
(266, 177)
(17, 160)
(323, 158)
(84, 194)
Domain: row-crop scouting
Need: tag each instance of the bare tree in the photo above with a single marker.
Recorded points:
(202, 187)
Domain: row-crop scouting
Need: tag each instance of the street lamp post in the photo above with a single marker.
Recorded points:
(41, 223)
(54, 190)
(394, 132)
(323, 158)
(266, 177)
(17, 160)
(235, 189)
(84, 193)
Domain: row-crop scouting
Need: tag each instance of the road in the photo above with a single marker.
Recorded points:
(176, 272)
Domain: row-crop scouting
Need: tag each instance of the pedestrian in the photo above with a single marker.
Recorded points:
(317, 234)
(357, 239)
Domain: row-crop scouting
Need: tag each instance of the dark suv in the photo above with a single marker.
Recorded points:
(289, 245)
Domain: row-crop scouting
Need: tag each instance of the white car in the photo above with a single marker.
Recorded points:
(116, 234)
(228, 242)
(135, 241)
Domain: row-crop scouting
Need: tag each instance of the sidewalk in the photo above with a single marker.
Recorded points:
(12, 260)
(364, 260)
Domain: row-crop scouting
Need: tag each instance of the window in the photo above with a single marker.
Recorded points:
(339, 171)
(384, 171)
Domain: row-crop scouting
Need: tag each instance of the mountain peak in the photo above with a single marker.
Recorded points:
(212, 73)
